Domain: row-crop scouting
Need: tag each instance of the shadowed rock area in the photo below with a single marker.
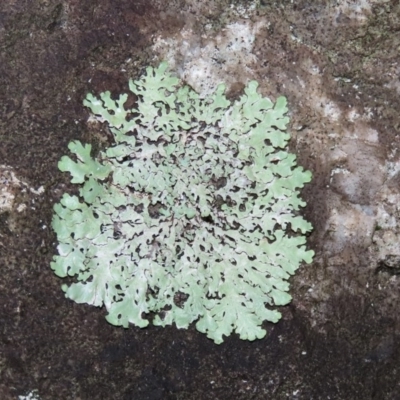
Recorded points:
(337, 63)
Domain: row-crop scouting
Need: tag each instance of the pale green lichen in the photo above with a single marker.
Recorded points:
(191, 215)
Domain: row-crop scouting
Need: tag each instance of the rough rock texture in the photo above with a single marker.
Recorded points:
(337, 62)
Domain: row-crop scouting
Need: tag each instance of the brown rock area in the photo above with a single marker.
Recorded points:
(338, 64)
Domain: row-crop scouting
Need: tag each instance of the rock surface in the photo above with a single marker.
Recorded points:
(337, 63)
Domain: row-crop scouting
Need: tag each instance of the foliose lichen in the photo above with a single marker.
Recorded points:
(191, 216)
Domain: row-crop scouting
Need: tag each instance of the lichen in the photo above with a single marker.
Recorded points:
(191, 216)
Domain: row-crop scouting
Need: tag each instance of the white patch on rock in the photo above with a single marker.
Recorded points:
(331, 110)
(10, 185)
(245, 10)
(33, 395)
(364, 172)
(356, 10)
(348, 223)
(225, 57)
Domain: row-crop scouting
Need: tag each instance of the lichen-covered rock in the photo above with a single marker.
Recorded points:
(191, 215)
